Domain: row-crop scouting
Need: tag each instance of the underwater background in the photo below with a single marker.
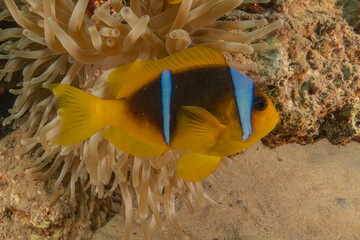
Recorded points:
(282, 190)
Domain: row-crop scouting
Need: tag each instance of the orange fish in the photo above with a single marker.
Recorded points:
(190, 101)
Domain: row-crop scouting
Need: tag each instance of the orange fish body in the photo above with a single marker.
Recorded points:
(189, 101)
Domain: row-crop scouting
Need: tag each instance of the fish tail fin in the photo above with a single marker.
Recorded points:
(80, 114)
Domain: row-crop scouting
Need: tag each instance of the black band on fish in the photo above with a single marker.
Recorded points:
(244, 94)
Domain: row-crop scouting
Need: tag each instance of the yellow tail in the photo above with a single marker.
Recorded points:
(81, 114)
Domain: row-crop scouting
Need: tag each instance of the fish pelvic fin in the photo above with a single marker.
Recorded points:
(80, 114)
(194, 167)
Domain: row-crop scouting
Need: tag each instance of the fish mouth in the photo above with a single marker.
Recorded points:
(273, 120)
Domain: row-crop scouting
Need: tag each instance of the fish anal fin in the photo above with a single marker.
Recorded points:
(194, 167)
(129, 78)
(197, 130)
(133, 144)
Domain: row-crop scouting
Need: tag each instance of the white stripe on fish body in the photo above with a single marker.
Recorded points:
(166, 88)
(244, 94)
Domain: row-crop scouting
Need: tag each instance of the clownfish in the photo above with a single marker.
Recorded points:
(190, 101)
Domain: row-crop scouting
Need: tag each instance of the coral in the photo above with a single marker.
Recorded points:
(79, 43)
(351, 13)
(312, 72)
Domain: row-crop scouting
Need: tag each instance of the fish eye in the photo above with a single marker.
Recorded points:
(260, 103)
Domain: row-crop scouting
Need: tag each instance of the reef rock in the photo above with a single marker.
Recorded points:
(311, 71)
(26, 210)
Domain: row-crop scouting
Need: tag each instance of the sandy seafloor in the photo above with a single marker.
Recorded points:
(291, 192)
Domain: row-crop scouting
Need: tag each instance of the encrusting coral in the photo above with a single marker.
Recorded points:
(80, 43)
(313, 76)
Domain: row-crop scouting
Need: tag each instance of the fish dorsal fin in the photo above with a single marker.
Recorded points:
(129, 78)
(194, 167)
(197, 130)
(132, 144)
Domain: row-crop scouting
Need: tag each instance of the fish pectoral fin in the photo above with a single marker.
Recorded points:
(132, 144)
(194, 167)
(197, 130)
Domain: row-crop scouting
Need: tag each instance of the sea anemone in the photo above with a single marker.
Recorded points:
(79, 43)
